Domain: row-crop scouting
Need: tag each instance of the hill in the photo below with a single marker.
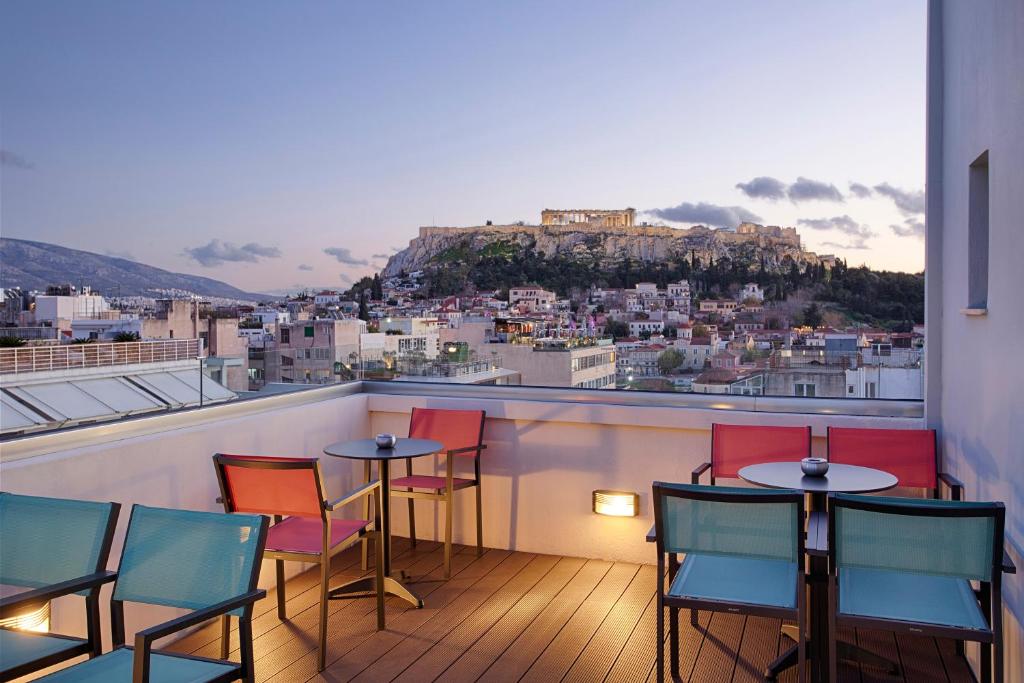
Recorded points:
(34, 265)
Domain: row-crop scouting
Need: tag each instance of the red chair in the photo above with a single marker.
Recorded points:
(462, 433)
(910, 455)
(733, 447)
(292, 491)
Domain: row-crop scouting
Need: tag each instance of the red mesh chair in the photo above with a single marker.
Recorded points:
(910, 455)
(733, 447)
(462, 433)
(291, 490)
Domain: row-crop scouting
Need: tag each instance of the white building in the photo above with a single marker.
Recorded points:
(885, 382)
(532, 298)
(752, 290)
(638, 327)
(50, 308)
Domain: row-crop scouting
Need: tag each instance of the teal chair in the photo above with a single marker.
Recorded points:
(205, 562)
(51, 547)
(744, 554)
(906, 565)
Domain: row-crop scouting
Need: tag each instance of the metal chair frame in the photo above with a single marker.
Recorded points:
(321, 558)
(674, 604)
(989, 593)
(93, 644)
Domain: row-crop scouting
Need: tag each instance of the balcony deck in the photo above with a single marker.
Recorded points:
(510, 616)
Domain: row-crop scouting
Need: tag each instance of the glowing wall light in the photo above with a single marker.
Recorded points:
(616, 503)
(34, 618)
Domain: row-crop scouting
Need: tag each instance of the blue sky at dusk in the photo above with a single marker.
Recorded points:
(275, 145)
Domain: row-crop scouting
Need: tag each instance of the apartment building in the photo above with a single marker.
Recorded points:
(558, 363)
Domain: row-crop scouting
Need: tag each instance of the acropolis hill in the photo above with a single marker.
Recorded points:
(611, 235)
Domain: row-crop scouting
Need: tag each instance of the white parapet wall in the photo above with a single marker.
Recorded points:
(544, 457)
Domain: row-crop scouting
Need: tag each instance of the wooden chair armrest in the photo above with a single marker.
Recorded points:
(1008, 566)
(701, 469)
(956, 487)
(12, 604)
(652, 535)
(353, 495)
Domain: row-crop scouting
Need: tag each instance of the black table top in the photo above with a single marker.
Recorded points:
(838, 479)
(366, 449)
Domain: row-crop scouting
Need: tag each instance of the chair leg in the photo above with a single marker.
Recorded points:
(225, 636)
(245, 649)
(364, 549)
(479, 520)
(661, 639)
(833, 632)
(673, 637)
(986, 648)
(380, 586)
(325, 575)
(449, 498)
(279, 571)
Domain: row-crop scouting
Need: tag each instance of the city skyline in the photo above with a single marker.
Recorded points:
(302, 146)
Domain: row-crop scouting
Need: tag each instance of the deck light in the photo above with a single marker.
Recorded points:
(35, 618)
(616, 503)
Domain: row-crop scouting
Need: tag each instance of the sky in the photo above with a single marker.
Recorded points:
(284, 145)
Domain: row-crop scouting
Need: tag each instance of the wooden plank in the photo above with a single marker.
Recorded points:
(600, 654)
(957, 668)
(276, 650)
(717, 657)
(472, 664)
(880, 643)
(447, 651)
(757, 648)
(348, 628)
(637, 656)
(559, 656)
(515, 661)
(444, 621)
(920, 658)
(690, 640)
(407, 622)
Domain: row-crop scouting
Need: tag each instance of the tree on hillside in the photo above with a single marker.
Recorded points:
(669, 360)
(376, 289)
(616, 329)
(812, 316)
(364, 311)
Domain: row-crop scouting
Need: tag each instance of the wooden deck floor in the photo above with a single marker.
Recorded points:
(510, 616)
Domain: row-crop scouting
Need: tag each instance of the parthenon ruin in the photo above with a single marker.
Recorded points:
(608, 218)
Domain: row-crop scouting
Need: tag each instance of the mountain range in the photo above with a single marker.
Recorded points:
(35, 265)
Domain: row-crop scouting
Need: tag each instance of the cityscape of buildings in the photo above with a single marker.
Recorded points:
(640, 338)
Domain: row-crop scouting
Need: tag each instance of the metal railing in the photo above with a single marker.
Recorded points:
(68, 356)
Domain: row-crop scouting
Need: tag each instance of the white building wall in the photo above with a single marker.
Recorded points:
(974, 396)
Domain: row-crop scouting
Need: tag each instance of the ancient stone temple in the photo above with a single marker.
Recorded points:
(607, 218)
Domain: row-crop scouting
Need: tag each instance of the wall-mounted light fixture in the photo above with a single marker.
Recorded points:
(616, 503)
(34, 618)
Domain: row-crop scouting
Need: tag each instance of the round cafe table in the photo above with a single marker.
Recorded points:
(367, 451)
(838, 479)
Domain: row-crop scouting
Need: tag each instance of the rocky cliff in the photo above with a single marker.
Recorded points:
(777, 247)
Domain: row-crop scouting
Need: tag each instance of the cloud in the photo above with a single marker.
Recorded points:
(910, 203)
(119, 254)
(383, 256)
(763, 187)
(345, 256)
(12, 160)
(706, 214)
(912, 227)
(217, 252)
(805, 190)
(346, 279)
(305, 266)
(397, 249)
(858, 232)
(860, 191)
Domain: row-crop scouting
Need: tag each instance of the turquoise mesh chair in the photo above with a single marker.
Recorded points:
(206, 562)
(744, 552)
(51, 547)
(906, 565)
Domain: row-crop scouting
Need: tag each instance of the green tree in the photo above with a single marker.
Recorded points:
(669, 360)
(127, 337)
(376, 289)
(9, 341)
(364, 311)
(617, 329)
(812, 316)
(700, 331)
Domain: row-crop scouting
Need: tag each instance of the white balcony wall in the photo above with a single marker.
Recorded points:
(973, 379)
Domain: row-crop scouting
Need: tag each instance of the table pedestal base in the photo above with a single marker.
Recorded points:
(367, 586)
(847, 652)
